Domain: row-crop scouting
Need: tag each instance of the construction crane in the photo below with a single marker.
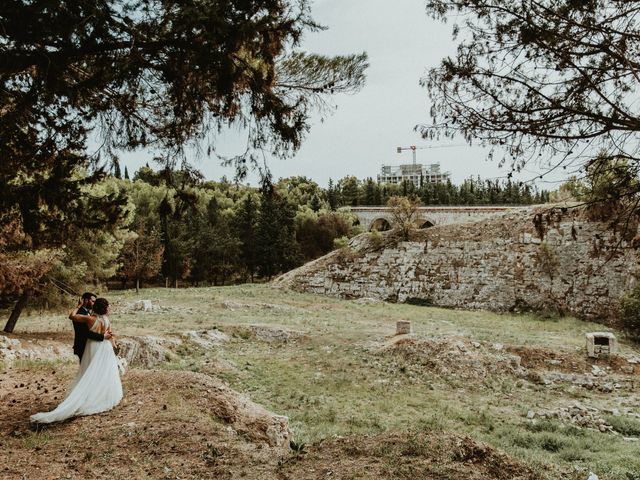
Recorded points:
(413, 149)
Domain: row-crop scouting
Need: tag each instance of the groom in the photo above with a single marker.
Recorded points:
(81, 329)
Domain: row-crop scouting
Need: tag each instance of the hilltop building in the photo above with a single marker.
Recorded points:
(416, 173)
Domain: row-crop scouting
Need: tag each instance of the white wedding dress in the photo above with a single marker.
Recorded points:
(96, 388)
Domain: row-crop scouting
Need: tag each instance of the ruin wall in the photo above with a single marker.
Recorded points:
(534, 259)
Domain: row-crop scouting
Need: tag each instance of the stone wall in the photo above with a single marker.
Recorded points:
(434, 215)
(537, 259)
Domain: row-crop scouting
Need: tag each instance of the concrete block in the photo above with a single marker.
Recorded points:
(403, 327)
(601, 344)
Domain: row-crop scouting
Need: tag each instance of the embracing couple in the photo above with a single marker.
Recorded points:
(97, 387)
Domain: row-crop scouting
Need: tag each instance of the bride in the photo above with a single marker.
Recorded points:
(97, 387)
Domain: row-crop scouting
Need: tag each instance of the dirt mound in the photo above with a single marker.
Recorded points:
(569, 362)
(452, 357)
(169, 425)
(405, 455)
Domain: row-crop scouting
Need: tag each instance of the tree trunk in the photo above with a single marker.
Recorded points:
(166, 282)
(137, 285)
(17, 310)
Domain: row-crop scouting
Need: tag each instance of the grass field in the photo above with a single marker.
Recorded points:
(343, 375)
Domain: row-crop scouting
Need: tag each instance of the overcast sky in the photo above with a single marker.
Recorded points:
(402, 43)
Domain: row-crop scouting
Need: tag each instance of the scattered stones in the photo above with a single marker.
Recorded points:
(576, 414)
(12, 349)
(275, 335)
(9, 343)
(233, 305)
(207, 338)
(147, 306)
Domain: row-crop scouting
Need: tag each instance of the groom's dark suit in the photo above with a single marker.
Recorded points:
(82, 333)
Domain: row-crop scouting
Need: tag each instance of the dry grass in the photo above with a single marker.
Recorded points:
(335, 381)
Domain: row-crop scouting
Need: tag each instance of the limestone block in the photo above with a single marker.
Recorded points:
(403, 327)
(143, 305)
(600, 344)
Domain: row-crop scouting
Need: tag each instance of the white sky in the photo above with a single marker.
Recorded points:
(402, 43)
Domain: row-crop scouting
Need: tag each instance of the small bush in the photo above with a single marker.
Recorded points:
(630, 313)
(376, 240)
(629, 427)
(551, 442)
(340, 242)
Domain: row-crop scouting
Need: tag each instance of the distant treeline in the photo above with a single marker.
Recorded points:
(350, 191)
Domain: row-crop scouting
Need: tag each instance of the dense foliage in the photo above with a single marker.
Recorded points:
(541, 79)
(154, 74)
(206, 232)
(350, 191)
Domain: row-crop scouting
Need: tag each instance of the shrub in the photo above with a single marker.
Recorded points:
(627, 426)
(340, 242)
(630, 313)
(376, 240)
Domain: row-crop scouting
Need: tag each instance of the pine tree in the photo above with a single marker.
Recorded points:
(126, 173)
(315, 203)
(332, 196)
(369, 192)
(117, 172)
(246, 224)
(276, 244)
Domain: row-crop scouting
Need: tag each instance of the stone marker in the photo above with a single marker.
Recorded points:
(601, 344)
(143, 305)
(403, 327)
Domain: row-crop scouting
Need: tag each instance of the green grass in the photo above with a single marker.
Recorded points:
(627, 426)
(331, 382)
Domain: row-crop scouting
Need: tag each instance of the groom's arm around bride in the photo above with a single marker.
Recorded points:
(82, 331)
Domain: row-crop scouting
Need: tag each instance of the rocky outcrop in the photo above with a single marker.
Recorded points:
(538, 259)
(12, 349)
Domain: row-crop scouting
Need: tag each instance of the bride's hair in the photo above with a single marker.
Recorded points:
(101, 305)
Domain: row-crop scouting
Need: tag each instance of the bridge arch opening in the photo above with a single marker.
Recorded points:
(421, 223)
(380, 225)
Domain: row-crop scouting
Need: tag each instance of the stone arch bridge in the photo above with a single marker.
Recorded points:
(380, 218)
